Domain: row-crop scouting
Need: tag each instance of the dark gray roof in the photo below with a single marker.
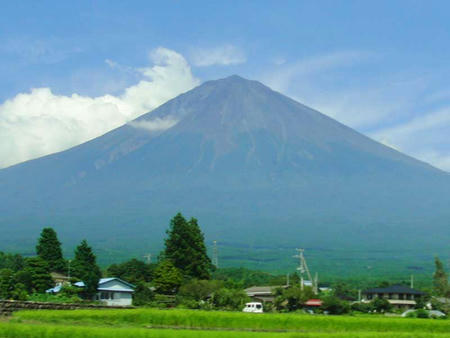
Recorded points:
(395, 289)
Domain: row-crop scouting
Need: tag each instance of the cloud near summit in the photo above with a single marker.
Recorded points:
(39, 122)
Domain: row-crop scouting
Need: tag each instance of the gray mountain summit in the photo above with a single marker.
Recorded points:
(262, 173)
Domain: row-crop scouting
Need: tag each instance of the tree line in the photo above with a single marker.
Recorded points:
(183, 276)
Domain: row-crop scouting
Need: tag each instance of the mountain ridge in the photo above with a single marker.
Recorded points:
(243, 159)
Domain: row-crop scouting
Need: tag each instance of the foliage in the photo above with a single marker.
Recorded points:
(25, 278)
(440, 279)
(380, 305)
(49, 249)
(142, 294)
(199, 290)
(85, 268)
(15, 262)
(292, 298)
(421, 313)
(229, 299)
(439, 305)
(168, 278)
(6, 283)
(421, 301)
(133, 271)
(185, 247)
(246, 277)
(361, 307)
(343, 291)
(334, 305)
(66, 295)
(39, 271)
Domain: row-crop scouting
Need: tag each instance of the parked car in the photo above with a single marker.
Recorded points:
(253, 307)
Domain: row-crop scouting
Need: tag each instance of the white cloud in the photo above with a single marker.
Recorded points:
(39, 122)
(154, 124)
(424, 137)
(222, 55)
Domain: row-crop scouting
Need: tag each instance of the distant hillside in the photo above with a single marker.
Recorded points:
(263, 174)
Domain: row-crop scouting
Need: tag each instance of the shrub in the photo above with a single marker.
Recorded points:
(380, 305)
(229, 299)
(335, 306)
(142, 295)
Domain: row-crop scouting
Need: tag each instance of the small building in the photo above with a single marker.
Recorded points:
(59, 278)
(112, 291)
(263, 294)
(400, 296)
(313, 303)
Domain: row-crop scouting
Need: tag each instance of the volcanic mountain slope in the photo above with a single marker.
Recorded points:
(255, 167)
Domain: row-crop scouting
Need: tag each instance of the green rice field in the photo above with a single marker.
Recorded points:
(192, 323)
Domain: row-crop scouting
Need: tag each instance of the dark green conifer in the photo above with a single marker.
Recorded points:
(49, 249)
(84, 267)
(185, 247)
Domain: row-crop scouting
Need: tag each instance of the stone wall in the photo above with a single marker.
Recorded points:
(9, 306)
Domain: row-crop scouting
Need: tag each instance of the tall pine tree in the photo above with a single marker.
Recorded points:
(440, 279)
(84, 267)
(185, 247)
(49, 249)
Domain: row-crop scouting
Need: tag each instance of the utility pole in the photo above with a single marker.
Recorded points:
(215, 259)
(148, 257)
(68, 271)
(302, 267)
(316, 284)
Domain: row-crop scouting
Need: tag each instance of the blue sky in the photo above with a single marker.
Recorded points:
(380, 67)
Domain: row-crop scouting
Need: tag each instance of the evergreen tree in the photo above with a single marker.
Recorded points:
(6, 283)
(85, 268)
(39, 270)
(200, 262)
(440, 279)
(185, 247)
(167, 277)
(49, 249)
(25, 278)
(14, 262)
(133, 271)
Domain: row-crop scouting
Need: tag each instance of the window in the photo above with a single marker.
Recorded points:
(104, 295)
(258, 306)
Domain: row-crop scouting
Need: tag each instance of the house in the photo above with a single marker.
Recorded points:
(263, 294)
(59, 278)
(400, 296)
(112, 291)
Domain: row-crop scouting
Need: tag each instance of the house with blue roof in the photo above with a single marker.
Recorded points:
(112, 291)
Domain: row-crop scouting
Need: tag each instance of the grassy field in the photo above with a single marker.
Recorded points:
(191, 323)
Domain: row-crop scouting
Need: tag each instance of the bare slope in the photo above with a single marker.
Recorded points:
(256, 168)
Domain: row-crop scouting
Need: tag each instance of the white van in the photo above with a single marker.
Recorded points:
(254, 307)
